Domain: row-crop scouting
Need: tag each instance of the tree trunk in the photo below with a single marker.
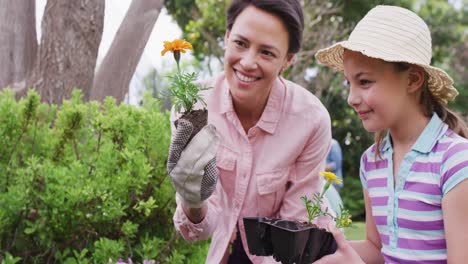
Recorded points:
(71, 34)
(18, 40)
(117, 68)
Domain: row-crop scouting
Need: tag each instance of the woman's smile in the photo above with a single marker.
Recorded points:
(245, 78)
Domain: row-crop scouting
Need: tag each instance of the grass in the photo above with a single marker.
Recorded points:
(357, 231)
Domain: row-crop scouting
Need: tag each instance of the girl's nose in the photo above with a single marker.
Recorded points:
(353, 97)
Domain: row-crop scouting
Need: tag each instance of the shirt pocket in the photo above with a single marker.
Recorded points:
(271, 189)
(226, 163)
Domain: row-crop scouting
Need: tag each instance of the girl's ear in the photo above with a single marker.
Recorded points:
(416, 78)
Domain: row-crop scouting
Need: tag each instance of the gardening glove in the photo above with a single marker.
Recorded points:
(192, 167)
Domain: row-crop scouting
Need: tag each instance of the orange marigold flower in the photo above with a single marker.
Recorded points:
(176, 45)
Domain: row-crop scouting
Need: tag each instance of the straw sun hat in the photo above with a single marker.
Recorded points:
(393, 34)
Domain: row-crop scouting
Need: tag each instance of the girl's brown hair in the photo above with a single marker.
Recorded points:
(430, 105)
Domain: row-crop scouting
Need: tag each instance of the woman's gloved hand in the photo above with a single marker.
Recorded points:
(192, 166)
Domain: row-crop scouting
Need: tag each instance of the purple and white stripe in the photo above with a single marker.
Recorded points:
(415, 232)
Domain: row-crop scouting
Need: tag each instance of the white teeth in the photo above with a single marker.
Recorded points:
(245, 78)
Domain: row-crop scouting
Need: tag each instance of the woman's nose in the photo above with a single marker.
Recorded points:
(249, 61)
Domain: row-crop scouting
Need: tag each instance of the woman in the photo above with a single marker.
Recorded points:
(273, 134)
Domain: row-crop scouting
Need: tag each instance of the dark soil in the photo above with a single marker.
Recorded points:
(294, 225)
(306, 224)
(198, 118)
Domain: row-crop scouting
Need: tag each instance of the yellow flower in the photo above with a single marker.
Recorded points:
(330, 177)
(179, 45)
(343, 221)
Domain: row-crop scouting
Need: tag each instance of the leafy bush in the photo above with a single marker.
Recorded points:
(86, 183)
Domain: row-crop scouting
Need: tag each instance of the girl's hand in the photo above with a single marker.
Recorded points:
(344, 253)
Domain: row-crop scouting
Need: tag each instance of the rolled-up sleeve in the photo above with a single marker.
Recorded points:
(200, 231)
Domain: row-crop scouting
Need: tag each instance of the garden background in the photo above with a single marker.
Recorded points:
(82, 178)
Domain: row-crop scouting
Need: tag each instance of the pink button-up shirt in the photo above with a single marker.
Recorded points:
(264, 172)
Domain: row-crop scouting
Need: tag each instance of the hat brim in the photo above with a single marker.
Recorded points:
(440, 83)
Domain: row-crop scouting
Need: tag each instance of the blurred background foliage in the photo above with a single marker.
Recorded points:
(327, 22)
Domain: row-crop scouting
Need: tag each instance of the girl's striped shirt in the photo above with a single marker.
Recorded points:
(409, 216)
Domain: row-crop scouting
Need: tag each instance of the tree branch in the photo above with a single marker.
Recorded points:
(119, 64)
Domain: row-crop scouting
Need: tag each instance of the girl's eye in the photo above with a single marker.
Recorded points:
(364, 82)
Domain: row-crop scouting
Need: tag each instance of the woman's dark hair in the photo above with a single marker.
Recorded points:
(289, 11)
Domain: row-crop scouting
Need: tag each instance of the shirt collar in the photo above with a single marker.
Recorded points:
(428, 138)
(272, 112)
(226, 99)
(430, 135)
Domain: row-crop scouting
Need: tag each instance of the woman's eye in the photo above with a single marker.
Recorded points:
(239, 43)
(268, 53)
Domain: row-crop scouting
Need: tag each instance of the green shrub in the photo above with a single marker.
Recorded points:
(85, 183)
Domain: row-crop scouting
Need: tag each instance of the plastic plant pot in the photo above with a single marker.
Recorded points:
(328, 244)
(258, 236)
(287, 241)
(320, 243)
(313, 246)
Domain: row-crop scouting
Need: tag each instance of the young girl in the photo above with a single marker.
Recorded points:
(414, 176)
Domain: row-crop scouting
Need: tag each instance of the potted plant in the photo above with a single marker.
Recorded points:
(184, 90)
(293, 241)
